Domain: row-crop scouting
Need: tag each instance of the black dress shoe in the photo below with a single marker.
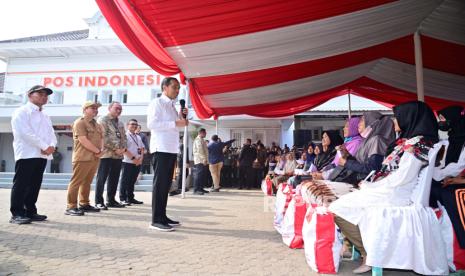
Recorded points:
(115, 204)
(198, 193)
(240, 188)
(37, 217)
(172, 222)
(135, 201)
(20, 220)
(88, 208)
(164, 227)
(101, 206)
(74, 212)
(175, 192)
(205, 191)
(215, 190)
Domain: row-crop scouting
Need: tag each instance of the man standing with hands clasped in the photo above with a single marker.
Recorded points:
(87, 150)
(34, 142)
(131, 164)
(114, 138)
(163, 121)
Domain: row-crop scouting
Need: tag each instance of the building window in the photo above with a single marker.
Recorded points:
(155, 93)
(238, 136)
(92, 95)
(316, 134)
(106, 96)
(57, 97)
(122, 96)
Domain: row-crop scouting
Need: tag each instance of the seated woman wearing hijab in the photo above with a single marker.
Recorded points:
(352, 142)
(329, 141)
(448, 186)
(324, 155)
(310, 155)
(394, 183)
(378, 133)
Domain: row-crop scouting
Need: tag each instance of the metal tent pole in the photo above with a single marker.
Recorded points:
(184, 152)
(419, 66)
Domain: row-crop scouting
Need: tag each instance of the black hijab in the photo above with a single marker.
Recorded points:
(416, 118)
(326, 157)
(456, 119)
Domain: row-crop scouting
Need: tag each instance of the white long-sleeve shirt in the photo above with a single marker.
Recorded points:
(32, 132)
(161, 120)
(452, 169)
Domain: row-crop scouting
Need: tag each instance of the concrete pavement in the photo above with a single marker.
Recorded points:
(226, 233)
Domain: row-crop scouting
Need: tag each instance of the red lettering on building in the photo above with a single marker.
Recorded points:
(69, 81)
(47, 81)
(89, 81)
(128, 80)
(102, 81)
(115, 80)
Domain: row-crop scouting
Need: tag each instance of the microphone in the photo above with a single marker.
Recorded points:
(182, 102)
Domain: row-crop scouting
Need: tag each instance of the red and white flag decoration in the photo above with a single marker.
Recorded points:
(275, 58)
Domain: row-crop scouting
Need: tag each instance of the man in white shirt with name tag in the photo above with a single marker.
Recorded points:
(33, 144)
(163, 121)
(131, 164)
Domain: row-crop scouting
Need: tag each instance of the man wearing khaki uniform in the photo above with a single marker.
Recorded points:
(88, 144)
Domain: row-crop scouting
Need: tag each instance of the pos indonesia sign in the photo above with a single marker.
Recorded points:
(102, 81)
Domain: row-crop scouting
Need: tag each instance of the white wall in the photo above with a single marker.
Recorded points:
(6, 151)
(287, 133)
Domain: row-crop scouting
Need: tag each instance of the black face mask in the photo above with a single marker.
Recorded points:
(444, 125)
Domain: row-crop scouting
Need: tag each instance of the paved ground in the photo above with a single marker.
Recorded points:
(229, 233)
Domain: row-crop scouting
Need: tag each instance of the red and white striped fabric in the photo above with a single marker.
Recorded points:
(322, 240)
(274, 58)
(291, 229)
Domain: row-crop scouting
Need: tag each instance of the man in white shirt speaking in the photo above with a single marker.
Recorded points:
(33, 144)
(163, 121)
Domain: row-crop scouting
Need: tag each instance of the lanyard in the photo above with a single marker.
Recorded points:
(134, 139)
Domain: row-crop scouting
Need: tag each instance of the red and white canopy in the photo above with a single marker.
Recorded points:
(276, 58)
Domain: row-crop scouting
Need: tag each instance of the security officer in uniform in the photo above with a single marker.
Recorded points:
(87, 150)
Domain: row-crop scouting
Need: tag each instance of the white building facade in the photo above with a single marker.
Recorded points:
(93, 64)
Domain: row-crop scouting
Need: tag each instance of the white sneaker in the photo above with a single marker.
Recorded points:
(362, 269)
(161, 227)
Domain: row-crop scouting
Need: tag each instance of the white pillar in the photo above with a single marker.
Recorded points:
(419, 67)
(184, 152)
(216, 125)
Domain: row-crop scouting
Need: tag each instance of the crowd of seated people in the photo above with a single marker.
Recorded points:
(382, 169)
